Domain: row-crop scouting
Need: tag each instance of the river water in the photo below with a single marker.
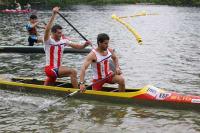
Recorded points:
(169, 58)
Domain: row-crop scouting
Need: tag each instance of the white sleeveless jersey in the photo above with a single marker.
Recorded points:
(101, 67)
(54, 51)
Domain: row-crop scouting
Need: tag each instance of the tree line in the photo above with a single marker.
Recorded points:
(102, 2)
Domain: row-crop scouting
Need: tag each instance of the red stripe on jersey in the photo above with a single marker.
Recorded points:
(59, 56)
(52, 48)
(106, 67)
(99, 70)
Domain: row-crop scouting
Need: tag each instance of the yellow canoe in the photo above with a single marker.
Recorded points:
(146, 96)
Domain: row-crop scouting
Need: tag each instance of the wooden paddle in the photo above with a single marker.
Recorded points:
(73, 93)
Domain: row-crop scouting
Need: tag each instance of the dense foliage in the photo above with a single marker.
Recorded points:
(100, 2)
(166, 2)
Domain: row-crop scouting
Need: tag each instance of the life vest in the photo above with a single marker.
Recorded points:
(31, 30)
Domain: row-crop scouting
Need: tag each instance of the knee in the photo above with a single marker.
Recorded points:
(73, 72)
(121, 80)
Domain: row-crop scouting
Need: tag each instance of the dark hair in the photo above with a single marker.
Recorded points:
(33, 17)
(102, 37)
(55, 27)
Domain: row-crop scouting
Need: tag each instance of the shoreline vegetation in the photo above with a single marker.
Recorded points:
(50, 3)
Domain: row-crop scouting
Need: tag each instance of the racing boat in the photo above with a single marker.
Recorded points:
(148, 95)
(16, 11)
(36, 49)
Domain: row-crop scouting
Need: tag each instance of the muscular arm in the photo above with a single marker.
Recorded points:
(77, 46)
(115, 59)
(34, 25)
(50, 23)
(31, 26)
(88, 60)
(116, 63)
(80, 46)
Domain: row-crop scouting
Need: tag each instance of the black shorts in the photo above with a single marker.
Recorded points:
(32, 40)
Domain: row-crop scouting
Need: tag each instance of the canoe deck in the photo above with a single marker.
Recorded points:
(66, 85)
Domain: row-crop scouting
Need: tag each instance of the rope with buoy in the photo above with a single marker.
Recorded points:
(130, 28)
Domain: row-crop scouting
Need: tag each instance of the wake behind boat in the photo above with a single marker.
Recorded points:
(148, 95)
(36, 49)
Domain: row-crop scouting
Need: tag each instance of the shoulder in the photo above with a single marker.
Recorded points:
(28, 25)
(91, 56)
(65, 37)
(49, 41)
(66, 40)
(111, 50)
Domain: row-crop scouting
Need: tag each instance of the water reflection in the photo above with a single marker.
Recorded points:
(92, 116)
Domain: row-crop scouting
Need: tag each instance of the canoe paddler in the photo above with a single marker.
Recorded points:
(18, 6)
(54, 43)
(28, 6)
(99, 59)
(31, 27)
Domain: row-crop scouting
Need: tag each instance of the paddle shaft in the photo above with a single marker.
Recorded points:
(75, 29)
(98, 81)
(72, 26)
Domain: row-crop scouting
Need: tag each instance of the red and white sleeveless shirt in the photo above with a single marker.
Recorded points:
(54, 51)
(101, 67)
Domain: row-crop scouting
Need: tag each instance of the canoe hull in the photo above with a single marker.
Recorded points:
(16, 11)
(36, 49)
(137, 97)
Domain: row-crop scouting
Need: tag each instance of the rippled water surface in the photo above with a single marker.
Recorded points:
(168, 58)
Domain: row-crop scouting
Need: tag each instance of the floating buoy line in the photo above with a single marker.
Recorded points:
(129, 27)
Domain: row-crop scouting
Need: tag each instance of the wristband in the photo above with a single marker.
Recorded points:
(81, 83)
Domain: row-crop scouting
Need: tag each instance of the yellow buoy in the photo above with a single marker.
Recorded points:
(131, 29)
